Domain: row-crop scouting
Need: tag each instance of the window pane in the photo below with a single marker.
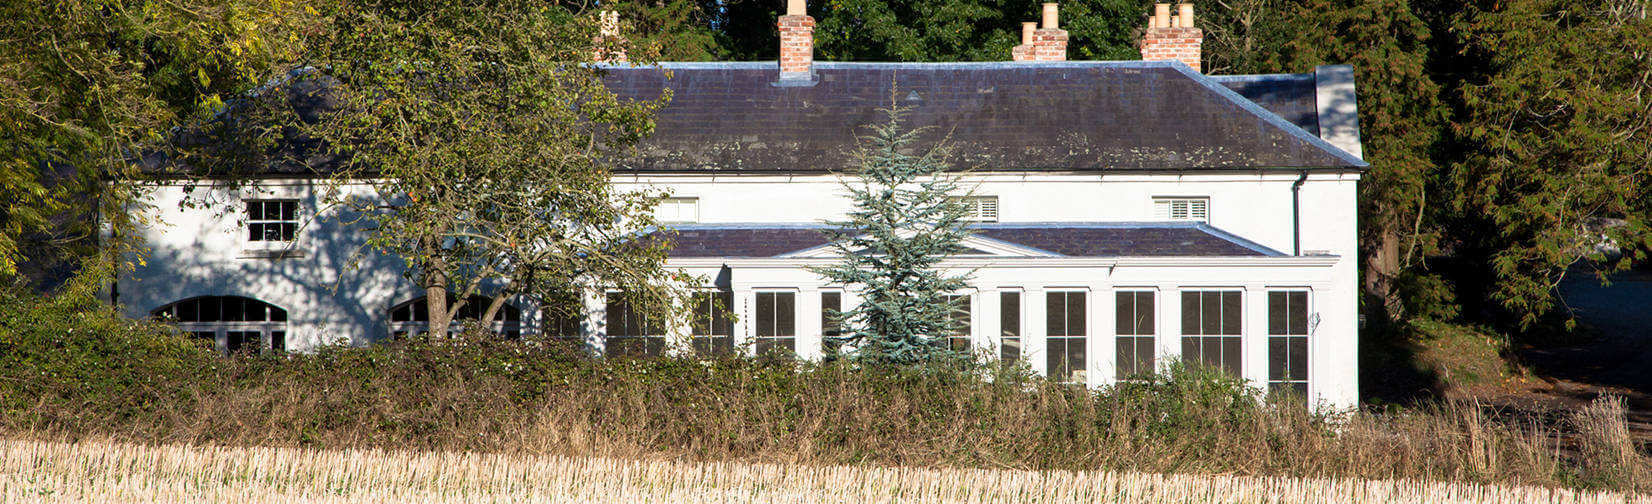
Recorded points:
(1230, 356)
(616, 315)
(255, 210)
(1144, 313)
(188, 311)
(1125, 350)
(1009, 313)
(765, 314)
(1298, 358)
(785, 306)
(1010, 349)
(1190, 350)
(1232, 313)
(1055, 313)
(1144, 355)
(289, 210)
(1210, 351)
(1276, 313)
(1075, 358)
(1210, 312)
(1190, 313)
(1277, 358)
(830, 304)
(1124, 313)
(1076, 313)
(1298, 313)
(1055, 350)
(722, 323)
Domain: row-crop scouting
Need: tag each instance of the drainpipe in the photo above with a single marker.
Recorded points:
(1296, 213)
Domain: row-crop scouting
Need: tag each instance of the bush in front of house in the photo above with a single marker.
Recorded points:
(80, 371)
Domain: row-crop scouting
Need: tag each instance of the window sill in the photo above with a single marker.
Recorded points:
(282, 252)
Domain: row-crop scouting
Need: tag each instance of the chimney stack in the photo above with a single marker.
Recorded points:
(1172, 37)
(797, 42)
(1046, 43)
(610, 46)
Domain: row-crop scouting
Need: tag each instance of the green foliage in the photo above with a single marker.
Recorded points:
(1558, 146)
(85, 84)
(906, 219)
(73, 349)
(486, 137)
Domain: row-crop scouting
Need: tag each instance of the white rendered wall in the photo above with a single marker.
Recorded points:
(203, 251)
(199, 251)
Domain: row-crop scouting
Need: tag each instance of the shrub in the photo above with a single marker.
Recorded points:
(80, 371)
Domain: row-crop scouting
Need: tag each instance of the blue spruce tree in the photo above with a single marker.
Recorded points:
(907, 218)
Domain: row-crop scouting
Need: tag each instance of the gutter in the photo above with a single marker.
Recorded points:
(1296, 213)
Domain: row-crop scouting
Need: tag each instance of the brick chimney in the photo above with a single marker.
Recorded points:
(1048, 43)
(1024, 52)
(797, 43)
(1172, 37)
(610, 46)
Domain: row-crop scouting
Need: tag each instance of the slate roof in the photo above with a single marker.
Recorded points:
(1075, 115)
(1059, 116)
(1290, 96)
(1113, 239)
(1126, 239)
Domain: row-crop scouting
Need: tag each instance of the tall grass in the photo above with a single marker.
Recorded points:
(125, 473)
(84, 376)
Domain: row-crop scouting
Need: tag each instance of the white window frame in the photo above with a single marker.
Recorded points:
(1310, 320)
(982, 208)
(1242, 336)
(677, 203)
(1156, 334)
(756, 320)
(1196, 208)
(1083, 338)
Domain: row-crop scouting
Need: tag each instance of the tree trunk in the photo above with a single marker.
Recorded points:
(435, 293)
(1381, 269)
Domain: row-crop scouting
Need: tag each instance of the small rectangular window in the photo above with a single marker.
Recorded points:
(1288, 343)
(1182, 209)
(1009, 326)
(1135, 326)
(1065, 340)
(631, 331)
(776, 322)
(272, 220)
(678, 210)
(711, 328)
(981, 208)
(958, 332)
(1212, 329)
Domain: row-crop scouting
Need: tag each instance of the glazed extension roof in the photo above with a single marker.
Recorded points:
(1065, 239)
(1065, 116)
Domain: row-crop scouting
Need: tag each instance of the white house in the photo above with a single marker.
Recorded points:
(1130, 213)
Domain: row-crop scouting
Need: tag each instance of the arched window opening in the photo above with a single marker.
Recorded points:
(234, 324)
(413, 317)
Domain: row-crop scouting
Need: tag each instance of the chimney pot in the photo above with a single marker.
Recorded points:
(795, 8)
(1027, 30)
(1051, 16)
(1172, 38)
